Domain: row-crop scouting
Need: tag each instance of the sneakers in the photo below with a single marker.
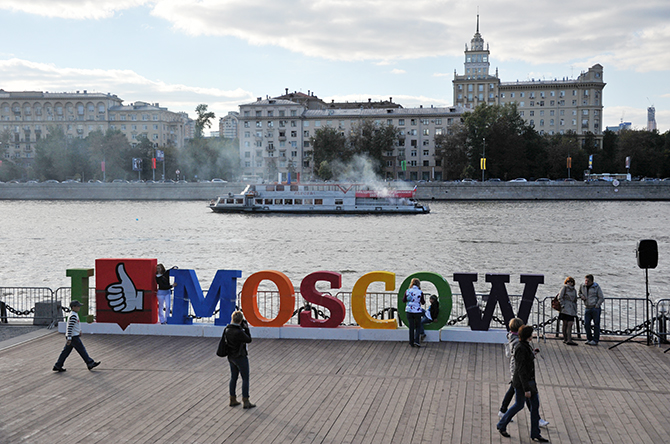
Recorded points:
(591, 343)
(540, 439)
(58, 369)
(571, 343)
(94, 365)
(543, 423)
(504, 433)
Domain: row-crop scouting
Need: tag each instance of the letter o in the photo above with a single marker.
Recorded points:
(443, 296)
(250, 302)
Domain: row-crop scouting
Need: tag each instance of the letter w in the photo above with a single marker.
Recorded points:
(498, 295)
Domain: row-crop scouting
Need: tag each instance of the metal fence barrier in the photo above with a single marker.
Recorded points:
(620, 316)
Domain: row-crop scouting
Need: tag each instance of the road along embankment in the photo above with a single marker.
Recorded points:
(463, 191)
(451, 191)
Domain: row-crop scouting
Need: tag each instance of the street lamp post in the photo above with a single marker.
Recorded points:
(483, 165)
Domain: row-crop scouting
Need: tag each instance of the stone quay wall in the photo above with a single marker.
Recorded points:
(439, 191)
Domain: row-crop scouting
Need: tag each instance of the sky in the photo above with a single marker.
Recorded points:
(223, 53)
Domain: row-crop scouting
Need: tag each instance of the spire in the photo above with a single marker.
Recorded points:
(477, 19)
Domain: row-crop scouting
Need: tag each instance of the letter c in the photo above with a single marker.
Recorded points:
(250, 303)
(358, 296)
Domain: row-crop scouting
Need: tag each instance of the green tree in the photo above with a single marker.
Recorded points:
(328, 144)
(110, 147)
(452, 150)
(370, 140)
(203, 120)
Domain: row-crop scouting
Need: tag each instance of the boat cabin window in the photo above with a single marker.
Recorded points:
(338, 201)
(229, 201)
(268, 201)
(270, 188)
(288, 201)
(280, 187)
(294, 187)
(278, 201)
(239, 201)
(298, 201)
(318, 201)
(259, 201)
(306, 188)
(308, 202)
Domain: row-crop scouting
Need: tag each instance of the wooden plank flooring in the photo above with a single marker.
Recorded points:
(175, 390)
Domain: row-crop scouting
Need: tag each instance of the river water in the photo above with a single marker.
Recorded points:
(40, 240)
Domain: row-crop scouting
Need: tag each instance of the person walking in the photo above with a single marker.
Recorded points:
(525, 387)
(164, 292)
(237, 336)
(568, 298)
(413, 300)
(592, 295)
(512, 342)
(73, 340)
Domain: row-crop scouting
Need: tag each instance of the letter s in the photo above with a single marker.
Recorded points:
(310, 294)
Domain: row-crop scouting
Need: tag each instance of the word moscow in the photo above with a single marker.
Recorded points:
(126, 294)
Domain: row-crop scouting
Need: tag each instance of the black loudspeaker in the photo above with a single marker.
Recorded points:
(647, 253)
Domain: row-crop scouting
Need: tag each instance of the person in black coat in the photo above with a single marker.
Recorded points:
(237, 336)
(524, 386)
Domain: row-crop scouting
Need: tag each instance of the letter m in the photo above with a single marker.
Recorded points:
(187, 290)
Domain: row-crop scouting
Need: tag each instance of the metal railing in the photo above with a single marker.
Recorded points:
(621, 317)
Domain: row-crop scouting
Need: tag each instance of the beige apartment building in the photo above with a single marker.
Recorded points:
(228, 125)
(550, 106)
(160, 126)
(275, 135)
(27, 115)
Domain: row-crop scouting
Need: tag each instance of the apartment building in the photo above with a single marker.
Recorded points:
(228, 125)
(275, 136)
(142, 119)
(27, 115)
(551, 106)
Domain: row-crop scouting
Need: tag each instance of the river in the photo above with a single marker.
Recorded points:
(41, 239)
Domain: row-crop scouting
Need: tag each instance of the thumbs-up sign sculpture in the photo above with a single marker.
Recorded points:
(122, 296)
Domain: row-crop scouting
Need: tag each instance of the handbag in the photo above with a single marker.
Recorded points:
(556, 303)
(222, 351)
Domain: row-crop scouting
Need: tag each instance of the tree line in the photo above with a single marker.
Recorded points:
(60, 157)
(512, 149)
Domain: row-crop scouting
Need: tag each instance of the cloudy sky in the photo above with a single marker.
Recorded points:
(181, 53)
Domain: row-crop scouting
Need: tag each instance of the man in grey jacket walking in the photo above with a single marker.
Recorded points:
(592, 295)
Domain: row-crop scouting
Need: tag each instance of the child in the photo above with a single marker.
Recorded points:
(73, 341)
(429, 315)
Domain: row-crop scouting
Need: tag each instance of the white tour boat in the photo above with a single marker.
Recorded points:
(319, 198)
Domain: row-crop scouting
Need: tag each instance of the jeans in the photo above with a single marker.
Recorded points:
(592, 314)
(508, 399)
(414, 321)
(518, 406)
(77, 345)
(163, 297)
(239, 366)
(424, 320)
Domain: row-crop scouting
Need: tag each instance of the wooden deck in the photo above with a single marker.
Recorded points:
(175, 390)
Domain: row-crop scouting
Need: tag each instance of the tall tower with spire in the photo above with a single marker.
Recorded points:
(476, 85)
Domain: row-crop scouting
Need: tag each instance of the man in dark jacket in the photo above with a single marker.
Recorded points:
(524, 386)
(237, 336)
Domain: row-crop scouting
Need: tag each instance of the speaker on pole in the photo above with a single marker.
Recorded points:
(647, 253)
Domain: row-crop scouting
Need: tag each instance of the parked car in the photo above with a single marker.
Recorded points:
(542, 179)
(51, 181)
(519, 179)
(493, 180)
(120, 181)
(217, 180)
(94, 181)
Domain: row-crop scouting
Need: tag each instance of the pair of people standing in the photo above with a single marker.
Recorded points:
(523, 383)
(592, 295)
(416, 315)
(164, 292)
